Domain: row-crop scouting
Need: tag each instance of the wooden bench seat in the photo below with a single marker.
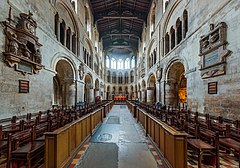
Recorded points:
(201, 148)
(30, 153)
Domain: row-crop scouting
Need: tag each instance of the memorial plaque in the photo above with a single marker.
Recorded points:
(212, 88)
(211, 59)
(23, 86)
(24, 68)
(213, 51)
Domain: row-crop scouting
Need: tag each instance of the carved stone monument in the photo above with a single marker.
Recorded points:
(213, 51)
(81, 71)
(22, 49)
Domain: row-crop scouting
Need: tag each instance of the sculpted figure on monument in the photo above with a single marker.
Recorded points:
(38, 56)
(13, 43)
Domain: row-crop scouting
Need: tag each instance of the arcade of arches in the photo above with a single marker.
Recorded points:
(71, 51)
(67, 61)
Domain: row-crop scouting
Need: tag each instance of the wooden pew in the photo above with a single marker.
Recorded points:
(203, 148)
(229, 143)
(31, 153)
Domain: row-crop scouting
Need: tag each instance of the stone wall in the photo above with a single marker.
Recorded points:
(200, 15)
(40, 96)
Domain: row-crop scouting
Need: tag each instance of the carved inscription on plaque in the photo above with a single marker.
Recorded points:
(213, 51)
(211, 58)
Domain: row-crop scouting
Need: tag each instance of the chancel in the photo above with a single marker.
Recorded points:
(119, 83)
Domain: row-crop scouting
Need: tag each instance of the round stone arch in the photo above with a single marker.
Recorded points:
(151, 89)
(64, 83)
(88, 88)
(176, 84)
(97, 88)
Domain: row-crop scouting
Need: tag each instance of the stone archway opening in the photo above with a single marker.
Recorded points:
(131, 93)
(176, 86)
(151, 89)
(88, 89)
(63, 84)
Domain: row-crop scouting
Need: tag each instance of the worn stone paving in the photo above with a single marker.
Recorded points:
(119, 139)
(134, 149)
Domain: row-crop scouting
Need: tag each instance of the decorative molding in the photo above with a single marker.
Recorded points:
(213, 51)
(22, 49)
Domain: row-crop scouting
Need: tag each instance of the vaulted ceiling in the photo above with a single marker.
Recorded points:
(120, 22)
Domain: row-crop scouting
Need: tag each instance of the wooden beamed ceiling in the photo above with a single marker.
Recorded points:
(120, 22)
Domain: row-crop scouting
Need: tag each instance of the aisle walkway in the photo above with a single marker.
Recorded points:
(118, 143)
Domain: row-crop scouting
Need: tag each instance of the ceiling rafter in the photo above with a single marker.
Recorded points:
(120, 22)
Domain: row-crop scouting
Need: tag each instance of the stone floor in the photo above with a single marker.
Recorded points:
(123, 140)
(119, 139)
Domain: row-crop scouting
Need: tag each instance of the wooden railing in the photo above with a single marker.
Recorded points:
(63, 143)
(171, 144)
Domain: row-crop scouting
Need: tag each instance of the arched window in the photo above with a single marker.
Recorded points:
(120, 78)
(107, 62)
(120, 64)
(172, 32)
(152, 26)
(167, 43)
(127, 63)
(62, 32)
(133, 62)
(56, 25)
(113, 63)
(154, 56)
(68, 38)
(132, 76)
(74, 43)
(185, 23)
(74, 5)
(88, 22)
(108, 76)
(126, 77)
(179, 30)
(114, 77)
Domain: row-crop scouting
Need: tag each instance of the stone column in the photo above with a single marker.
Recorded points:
(96, 92)
(171, 98)
(91, 95)
(176, 36)
(71, 94)
(158, 92)
(70, 42)
(143, 95)
(65, 36)
(150, 94)
(80, 91)
(139, 95)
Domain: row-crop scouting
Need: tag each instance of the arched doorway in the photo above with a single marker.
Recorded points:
(176, 86)
(88, 89)
(63, 84)
(144, 97)
(151, 89)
